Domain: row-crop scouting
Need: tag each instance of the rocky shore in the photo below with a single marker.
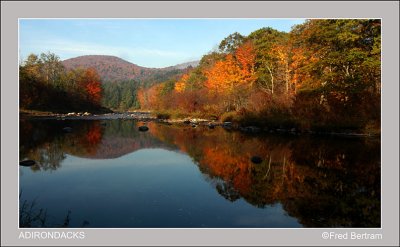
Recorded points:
(146, 116)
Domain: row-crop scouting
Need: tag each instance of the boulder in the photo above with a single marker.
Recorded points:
(227, 125)
(186, 122)
(27, 163)
(143, 128)
(250, 129)
(67, 129)
(254, 129)
(256, 159)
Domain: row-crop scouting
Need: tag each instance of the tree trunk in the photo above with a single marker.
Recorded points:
(272, 79)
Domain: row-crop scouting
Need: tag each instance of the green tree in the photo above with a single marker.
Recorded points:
(231, 43)
(52, 69)
(267, 62)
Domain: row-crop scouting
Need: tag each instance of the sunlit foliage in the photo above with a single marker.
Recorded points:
(322, 74)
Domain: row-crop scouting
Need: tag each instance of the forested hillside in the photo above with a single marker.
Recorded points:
(115, 69)
(122, 79)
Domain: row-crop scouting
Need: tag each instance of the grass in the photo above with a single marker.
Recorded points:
(177, 114)
(35, 112)
(30, 215)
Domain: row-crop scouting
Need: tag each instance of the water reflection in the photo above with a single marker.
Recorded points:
(322, 182)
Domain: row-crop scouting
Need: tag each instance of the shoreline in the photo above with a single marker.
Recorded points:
(146, 116)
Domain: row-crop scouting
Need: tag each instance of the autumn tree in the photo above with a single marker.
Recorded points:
(142, 98)
(180, 85)
(30, 80)
(245, 56)
(280, 55)
(91, 85)
(343, 65)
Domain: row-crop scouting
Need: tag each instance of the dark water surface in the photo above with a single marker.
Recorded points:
(106, 173)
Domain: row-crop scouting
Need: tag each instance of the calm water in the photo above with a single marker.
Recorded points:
(108, 174)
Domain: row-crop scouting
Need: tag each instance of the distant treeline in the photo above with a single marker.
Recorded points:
(323, 74)
(120, 95)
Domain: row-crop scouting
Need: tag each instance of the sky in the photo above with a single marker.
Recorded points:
(153, 43)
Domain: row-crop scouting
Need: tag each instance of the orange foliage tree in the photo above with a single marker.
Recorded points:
(280, 52)
(246, 56)
(181, 84)
(223, 76)
(232, 77)
(90, 82)
(141, 96)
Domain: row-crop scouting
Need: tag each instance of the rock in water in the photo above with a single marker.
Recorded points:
(27, 163)
(227, 125)
(67, 129)
(143, 128)
(256, 160)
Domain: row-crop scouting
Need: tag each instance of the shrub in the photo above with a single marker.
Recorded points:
(229, 117)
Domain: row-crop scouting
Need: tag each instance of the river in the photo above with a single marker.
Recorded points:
(107, 174)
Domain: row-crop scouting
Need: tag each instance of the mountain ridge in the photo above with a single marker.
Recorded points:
(116, 69)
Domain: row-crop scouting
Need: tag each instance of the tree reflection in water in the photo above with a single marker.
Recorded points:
(323, 182)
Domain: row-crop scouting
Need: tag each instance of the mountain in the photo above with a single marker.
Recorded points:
(115, 69)
(185, 65)
(110, 68)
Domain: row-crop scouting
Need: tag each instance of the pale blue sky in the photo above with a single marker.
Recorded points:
(145, 42)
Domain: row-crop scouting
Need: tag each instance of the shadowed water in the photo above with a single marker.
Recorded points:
(108, 174)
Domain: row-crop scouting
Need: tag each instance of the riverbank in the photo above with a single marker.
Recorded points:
(33, 114)
(146, 116)
(25, 113)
